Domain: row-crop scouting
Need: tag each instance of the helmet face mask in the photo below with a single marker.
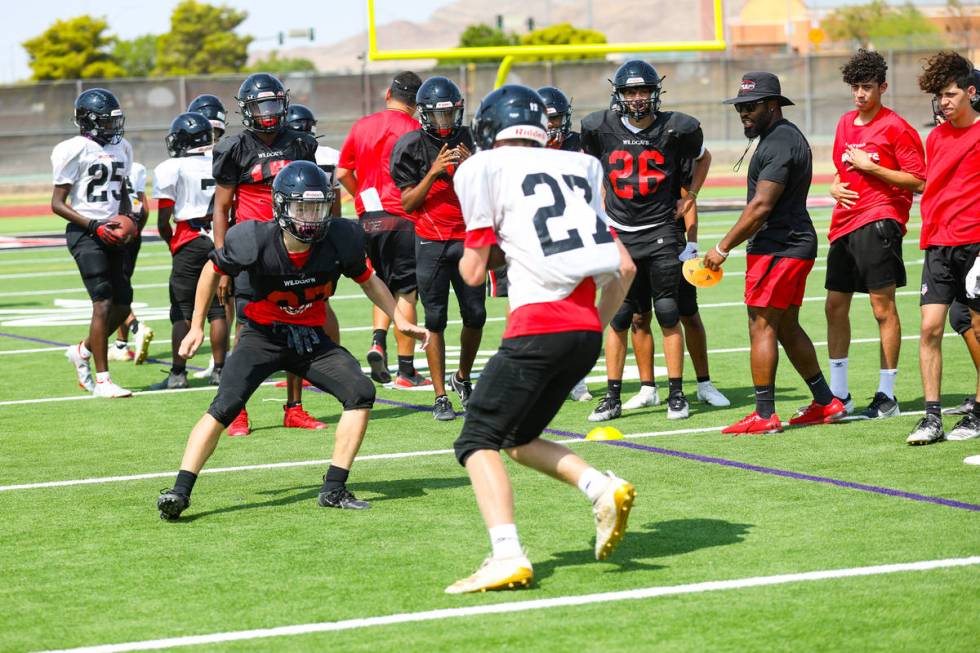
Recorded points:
(99, 116)
(440, 107)
(190, 133)
(301, 201)
(263, 102)
(636, 90)
(559, 111)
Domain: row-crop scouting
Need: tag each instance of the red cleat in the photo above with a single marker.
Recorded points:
(282, 384)
(817, 414)
(240, 425)
(416, 381)
(294, 417)
(754, 424)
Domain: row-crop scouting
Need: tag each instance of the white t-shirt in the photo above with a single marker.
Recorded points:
(327, 158)
(95, 172)
(137, 182)
(545, 207)
(188, 182)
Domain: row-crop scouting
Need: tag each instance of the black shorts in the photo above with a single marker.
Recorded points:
(392, 255)
(687, 298)
(436, 267)
(868, 258)
(959, 318)
(106, 271)
(944, 275)
(188, 263)
(262, 351)
(658, 276)
(522, 388)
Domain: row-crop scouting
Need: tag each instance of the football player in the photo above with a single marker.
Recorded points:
(365, 171)
(244, 166)
(643, 151)
(560, 134)
(183, 186)
(781, 249)
(293, 263)
(880, 162)
(92, 194)
(541, 210)
(422, 166)
(950, 233)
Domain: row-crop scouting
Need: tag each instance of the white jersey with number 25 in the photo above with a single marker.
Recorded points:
(545, 207)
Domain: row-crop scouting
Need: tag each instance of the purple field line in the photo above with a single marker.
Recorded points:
(64, 344)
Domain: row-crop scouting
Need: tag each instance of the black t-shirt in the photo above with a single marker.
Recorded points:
(281, 291)
(784, 157)
(643, 170)
(247, 163)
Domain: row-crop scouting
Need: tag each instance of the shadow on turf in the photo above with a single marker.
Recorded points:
(657, 540)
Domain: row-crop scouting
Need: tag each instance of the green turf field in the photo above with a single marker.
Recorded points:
(91, 563)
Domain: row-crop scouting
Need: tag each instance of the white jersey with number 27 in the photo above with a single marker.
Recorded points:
(545, 207)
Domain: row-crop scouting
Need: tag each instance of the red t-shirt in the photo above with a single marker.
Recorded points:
(367, 151)
(950, 206)
(892, 143)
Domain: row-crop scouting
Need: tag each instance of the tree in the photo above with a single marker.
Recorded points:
(281, 65)
(876, 24)
(137, 57)
(202, 41)
(481, 36)
(71, 49)
(563, 34)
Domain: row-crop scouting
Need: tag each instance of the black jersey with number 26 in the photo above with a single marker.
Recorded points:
(642, 170)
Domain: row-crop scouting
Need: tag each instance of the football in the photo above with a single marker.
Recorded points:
(700, 276)
(125, 227)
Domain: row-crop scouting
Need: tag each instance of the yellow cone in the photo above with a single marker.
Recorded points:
(604, 433)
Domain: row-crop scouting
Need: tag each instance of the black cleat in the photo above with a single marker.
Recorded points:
(463, 388)
(442, 409)
(172, 382)
(962, 409)
(881, 406)
(215, 378)
(342, 498)
(607, 409)
(377, 359)
(171, 504)
(927, 431)
(967, 428)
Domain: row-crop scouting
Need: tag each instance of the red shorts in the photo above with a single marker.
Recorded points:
(775, 281)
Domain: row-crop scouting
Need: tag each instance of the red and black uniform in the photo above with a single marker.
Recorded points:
(390, 235)
(439, 230)
(950, 214)
(866, 239)
(644, 170)
(289, 290)
(247, 163)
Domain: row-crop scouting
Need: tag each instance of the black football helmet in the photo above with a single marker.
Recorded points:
(301, 200)
(440, 106)
(556, 105)
(213, 110)
(190, 133)
(636, 74)
(510, 112)
(99, 116)
(300, 118)
(264, 102)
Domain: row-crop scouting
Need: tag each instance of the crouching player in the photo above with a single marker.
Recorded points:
(293, 264)
(543, 209)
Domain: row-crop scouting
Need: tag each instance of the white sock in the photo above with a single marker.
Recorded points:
(82, 351)
(101, 377)
(593, 483)
(505, 542)
(838, 377)
(886, 382)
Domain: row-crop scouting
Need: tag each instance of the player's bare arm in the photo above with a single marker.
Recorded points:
(375, 290)
(164, 213)
(413, 196)
(61, 208)
(222, 207)
(753, 217)
(859, 160)
(347, 179)
(700, 173)
(206, 286)
(474, 264)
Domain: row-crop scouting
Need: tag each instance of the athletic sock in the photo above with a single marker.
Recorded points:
(134, 326)
(765, 400)
(934, 408)
(177, 370)
(293, 404)
(648, 384)
(838, 377)
(406, 365)
(614, 389)
(120, 344)
(336, 478)
(380, 338)
(675, 386)
(593, 483)
(101, 377)
(886, 382)
(505, 542)
(704, 379)
(820, 390)
(185, 482)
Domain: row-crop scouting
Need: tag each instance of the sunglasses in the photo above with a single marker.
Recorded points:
(742, 107)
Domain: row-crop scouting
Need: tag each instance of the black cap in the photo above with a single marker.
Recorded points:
(759, 86)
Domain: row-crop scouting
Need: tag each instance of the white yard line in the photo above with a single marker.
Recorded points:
(510, 607)
(68, 273)
(30, 351)
(78, 289)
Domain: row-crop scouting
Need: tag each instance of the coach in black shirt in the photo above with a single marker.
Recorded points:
(781, 248)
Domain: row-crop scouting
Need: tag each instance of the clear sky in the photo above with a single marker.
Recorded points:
(332, 20)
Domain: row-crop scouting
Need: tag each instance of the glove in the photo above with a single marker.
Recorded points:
(301, 339)
(106, 232)
(690, 251)
(973, 280)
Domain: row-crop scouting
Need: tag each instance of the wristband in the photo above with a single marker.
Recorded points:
(92, 227)
(721, 252)
(692, 194)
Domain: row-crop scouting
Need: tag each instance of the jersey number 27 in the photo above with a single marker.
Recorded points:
(556, 209)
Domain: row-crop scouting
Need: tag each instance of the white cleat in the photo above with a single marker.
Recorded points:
(122, 354)
(496, 574)
(82, 369)
(611, 510)
(581, 392)
(206, 373)
(647, 396)
(109, 390)
(710, 395)
(143, 338)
